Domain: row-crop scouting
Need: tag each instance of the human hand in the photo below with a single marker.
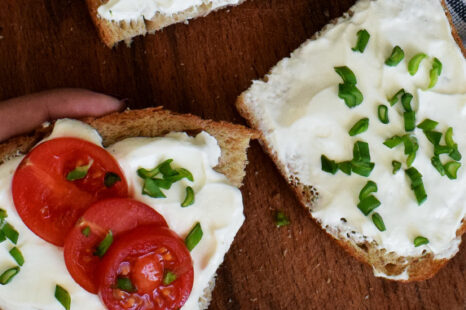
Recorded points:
(23, 114)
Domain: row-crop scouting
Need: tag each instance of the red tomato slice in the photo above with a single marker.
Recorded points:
(143, 257)
(116, 214)
(46, 201)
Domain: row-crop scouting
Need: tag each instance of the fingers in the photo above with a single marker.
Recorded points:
(23, 114)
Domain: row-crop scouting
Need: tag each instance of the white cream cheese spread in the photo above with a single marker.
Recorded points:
(218, 207)
(301, 116)
(125, 10)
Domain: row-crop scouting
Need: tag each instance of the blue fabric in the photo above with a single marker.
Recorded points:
(458, 12)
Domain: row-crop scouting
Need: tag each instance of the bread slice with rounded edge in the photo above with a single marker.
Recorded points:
(154, 122)
(112, 32)
(389, 263)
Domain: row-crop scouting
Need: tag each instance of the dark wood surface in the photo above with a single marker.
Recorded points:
(201, 68)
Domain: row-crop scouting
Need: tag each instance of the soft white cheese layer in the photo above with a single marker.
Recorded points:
(218, 207)
(125, 10)
(302, 118)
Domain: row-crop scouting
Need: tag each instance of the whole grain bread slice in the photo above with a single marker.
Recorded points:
(418, 268)
(154, 122)
(112, 32)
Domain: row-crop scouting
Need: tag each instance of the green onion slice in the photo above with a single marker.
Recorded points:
(361, 152)
(148, 174)
(361, 126)
(281, 219)
(328, 165)
(8, 275)
(435, 73)
(451, 169)
(414, 63)
(427, 125)
(63, 297)
(125, 284)
(369, 188)
(17, 255)
(194, 236)
(420, 193)
(152, 189)
(79, 173)
(345, 167)
(368, 204)
(346, 74)
(86, 231)
(415, 176)
(449, 138)
(393, 100)
(406, 99)
(438, 165)
(104, 245)
(396, 57)
(363, 39)
(3, 214)
(378, 221)
(168, 277)
(442, 149)
(10, 232)
(396, 166)
(455, 154)
(410, 159)
(420, 240)
(410, 143)
(393, 141)
(410, 120)
(189, 199)
(2, 236)
(350, 94)
(362, 168)
(382, 112)
(111, 178)
(433, 136)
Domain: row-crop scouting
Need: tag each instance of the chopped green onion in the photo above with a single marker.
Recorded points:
(433, 136)
(435, 72)
(410, 120)
(148, 174)
(455, 154)
(420, 193)
(414, 63)
(111, 178)
(8, 275)
(162, 183)
(361, 126)
(345, 167)
(79, 172)
(63, 297)
(184, 173)
(406, 101)
(193, 238)
(125, 284)
(383, 113)
(3, 214)
(410, 159)
(415, 176)
(427, 125)
(328, 165)
(104, 245)
(451, 169)
(441, 149)
(10, 232)
(368, 189)
(281, 219)
(396, 166)
(362, 168)
(151, 189)
(2, 236)
(86, 231)
(438, 165)
(394, 99)
(393, 141)
(368, 204)
(410, 143)
(449, 138)
(420, 240)
(168, 277)
(396, 57)
(350, 94)
(363, 39)
(189, 199)
(346, 74)
(17, 255)
(378, 221)
(361, 152)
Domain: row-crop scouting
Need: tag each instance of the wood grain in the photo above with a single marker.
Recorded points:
(201, 68)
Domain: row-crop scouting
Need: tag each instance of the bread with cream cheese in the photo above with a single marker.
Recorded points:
(415, 268)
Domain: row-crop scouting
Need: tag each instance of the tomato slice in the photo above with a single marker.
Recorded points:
(46, 201)
(156, 264)
(117, 215)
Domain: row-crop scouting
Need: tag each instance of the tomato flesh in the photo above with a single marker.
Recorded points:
(46, 201)
(144, 255)
(117, 215)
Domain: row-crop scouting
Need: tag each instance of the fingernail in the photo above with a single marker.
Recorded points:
(123, 104)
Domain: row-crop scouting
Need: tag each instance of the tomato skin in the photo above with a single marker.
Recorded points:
(46, 201)
(131, 250)
(116, 214)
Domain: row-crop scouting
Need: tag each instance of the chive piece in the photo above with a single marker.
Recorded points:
(455, 154)
(363, 39)
(441, 149)
(2, 236)
(396, 57)
(328, 165)
(346, 74)
(10, 232)
(165, 168)
(420, 240)
(111, 178)
(378, 221)
(147, 174)
(361, 126)
(415, 176)
(433, 136)
(435, 72)
(361, 152)
(86, 231)
(17, 255)
(8, 275)
(194, 236)
(449, 138)
(393, 141)
(151, 189)
(368, 204)
(3, 214)
(368, 189)
(396, 166)
(410, 143)
(189, 199)
(79, 172)
(394, 99)
(125, 284)
(362, 168)
(410, 159)
(350, 94)
(427, 125)
(345, 167)
(168, 277)
(281, 219)
(420, 193)
(438, 165)
(414, 63)
(410, 120)
(382, 112)
(451, 169)
(63, 296)
(184, 173)
(162, 183)
(104, 245)
(406, 101)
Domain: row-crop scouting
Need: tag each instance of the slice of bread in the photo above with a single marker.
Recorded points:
(274, 90)
(153, 122)
(112, 32)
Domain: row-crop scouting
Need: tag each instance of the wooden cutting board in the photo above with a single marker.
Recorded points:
(201, 68)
